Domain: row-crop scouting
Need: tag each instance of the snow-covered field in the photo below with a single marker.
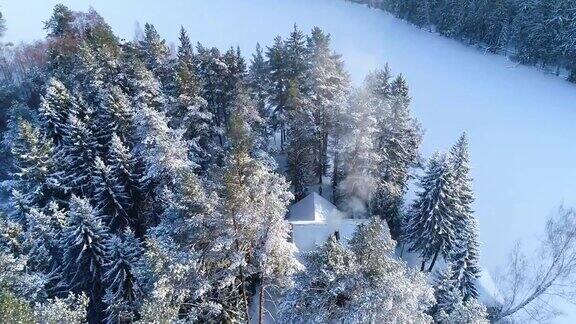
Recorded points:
(520, 121)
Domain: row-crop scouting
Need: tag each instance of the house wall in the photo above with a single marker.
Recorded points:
(307, 236)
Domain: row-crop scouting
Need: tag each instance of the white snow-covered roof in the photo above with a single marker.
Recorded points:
(312, 209)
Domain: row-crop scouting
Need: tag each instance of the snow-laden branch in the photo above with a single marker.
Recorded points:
(530, 283)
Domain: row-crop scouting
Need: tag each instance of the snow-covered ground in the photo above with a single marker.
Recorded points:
(520, 121)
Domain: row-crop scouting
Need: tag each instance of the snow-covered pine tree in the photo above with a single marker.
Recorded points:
(113, 116)
(300, 151)
(234, 82)
(123, 295)
(431, 229)
(398, 140)
(465, 255)
(326, 86)
(254, 202)
(55, 110)
(191, 271)
(83, 244)
(325, 291)
(31, 180)
(465, 312)
(75, 158)
(42, 247)
(128, 173)
(142, 86)
(465, 263)
(190, 111)
(255, 199)
(155, 54)
(359, 156)
(110, 197)
(445, 290)
(162, 148)
(451, 308)
(279, 86)
(258, 84)
(387, 290)
(296, 59)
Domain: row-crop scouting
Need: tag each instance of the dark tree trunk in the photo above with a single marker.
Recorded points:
(434, 260)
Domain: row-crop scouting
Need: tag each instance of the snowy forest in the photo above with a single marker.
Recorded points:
(149, 183)
(533, 32)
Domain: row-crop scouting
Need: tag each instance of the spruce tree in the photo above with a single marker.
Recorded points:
(76, 156)
(300, 150)
(34, 165)
(83, 244)
(296, 57)
(155, 54)
(123, 291)
(55, 110)
(450, 307)
(258, 83)
(465, 256)
(398, 140)
(431, 228)
(191, 111)
(279, 86)
(110, 197)
(389, 290)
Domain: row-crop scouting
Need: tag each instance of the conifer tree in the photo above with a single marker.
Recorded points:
(255, 201)
(431, 227)
(359, 156)
(123, 291)
(390, 292)
(43, 249)
(398, 140)
(155, 54)
(113, 116)
(279, 86)
(296, 58)
(326, 87)
(128, 174)
(110, 197)
(323, 293)
(76, 157)
(258, 83)
(33, 162)
(362, 283)
(190, 268)
(83, 243)
(191, 111)
(55, 110)
(451, 308)
(300, 151)
(465, 256)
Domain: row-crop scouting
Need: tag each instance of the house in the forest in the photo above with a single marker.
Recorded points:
(313, 219)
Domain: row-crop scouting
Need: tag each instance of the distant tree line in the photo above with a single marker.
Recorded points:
(533, 32)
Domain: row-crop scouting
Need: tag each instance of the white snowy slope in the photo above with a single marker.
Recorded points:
(520, 121)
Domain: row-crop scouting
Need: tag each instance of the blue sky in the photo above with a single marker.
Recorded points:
(520, 121)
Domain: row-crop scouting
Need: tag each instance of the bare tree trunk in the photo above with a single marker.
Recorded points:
(242, 276)
(422, 266)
